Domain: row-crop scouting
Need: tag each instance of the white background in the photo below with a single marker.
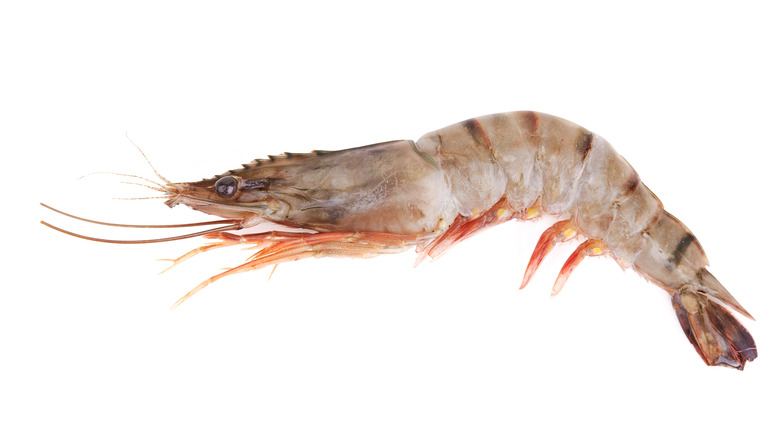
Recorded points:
(687, 92)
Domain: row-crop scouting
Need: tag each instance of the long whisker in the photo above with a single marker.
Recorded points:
(141, 198)
(144, 185)
(195, 224)
(164, 239)
(151, 181)
(147, 160)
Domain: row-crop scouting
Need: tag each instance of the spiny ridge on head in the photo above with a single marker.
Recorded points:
(273, 159)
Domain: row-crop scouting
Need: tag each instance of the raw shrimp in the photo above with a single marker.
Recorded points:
(454, 182)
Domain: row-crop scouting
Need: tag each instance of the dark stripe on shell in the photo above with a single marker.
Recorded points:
(631, 184)
(584, 144)
(478, 133)
(682, 246)
(531, 120)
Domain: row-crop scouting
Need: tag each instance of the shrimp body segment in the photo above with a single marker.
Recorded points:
(458, 180)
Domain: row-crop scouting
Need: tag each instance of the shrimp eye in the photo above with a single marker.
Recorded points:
(226, 187)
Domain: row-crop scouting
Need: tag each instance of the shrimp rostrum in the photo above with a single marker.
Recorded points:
(456, 181)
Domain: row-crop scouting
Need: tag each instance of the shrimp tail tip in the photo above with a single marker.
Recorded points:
(718, 337)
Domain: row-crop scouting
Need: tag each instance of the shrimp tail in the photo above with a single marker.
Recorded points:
(673, 259)
(715, 333)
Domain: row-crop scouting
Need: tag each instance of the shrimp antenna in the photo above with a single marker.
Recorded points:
(133, 183)
(147, 159)
(164, 239)
(110, 224)
(160, 186)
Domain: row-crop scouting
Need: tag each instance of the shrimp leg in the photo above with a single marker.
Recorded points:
(462, 228)
(559, 232)
(281, 247)
(588, 248)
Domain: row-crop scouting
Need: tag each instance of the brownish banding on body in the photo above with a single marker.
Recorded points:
(584, 144)
(478, 133)
(631, 185)
(531, 119)
(680, 249)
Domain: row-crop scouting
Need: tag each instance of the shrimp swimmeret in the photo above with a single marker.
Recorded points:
(459, 180)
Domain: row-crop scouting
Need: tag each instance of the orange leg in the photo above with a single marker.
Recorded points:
(588, 248)
(559, 232)
(259, 240)
(462, 228)
(279, 247)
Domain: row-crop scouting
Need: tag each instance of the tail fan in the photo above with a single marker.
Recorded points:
(716, 334)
